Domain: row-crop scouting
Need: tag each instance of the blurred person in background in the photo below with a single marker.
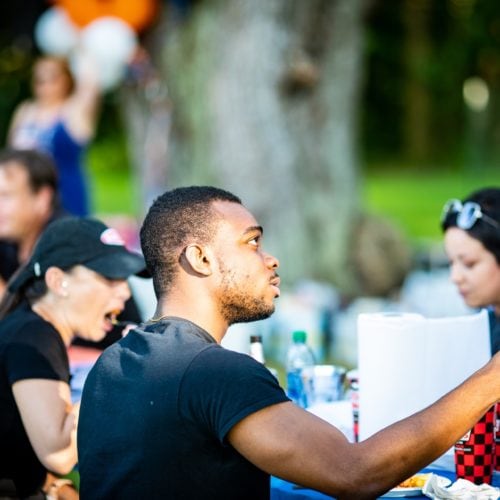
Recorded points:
(29, 201)
(60, 119)
(74, 284)
(472, 243)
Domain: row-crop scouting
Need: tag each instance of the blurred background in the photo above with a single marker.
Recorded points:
(344, 126)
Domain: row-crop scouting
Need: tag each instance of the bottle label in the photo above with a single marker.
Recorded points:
(296, 388)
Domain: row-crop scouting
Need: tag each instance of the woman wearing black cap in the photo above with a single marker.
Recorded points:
(74, 285)
(472, 242)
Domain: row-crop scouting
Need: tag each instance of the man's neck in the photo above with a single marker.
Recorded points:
(204, 317)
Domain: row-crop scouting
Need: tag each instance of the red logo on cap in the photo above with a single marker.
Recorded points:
(111, 237)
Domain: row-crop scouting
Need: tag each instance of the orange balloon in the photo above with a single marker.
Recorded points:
(137, 13)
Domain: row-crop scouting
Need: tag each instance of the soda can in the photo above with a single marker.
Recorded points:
(474, 453)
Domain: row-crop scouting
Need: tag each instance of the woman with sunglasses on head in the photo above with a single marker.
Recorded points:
(74, 285)
(472, 243)
(60, 120)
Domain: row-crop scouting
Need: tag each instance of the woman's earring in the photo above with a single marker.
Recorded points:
(64, 286)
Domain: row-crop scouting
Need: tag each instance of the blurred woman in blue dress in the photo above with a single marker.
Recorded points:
(60, 119)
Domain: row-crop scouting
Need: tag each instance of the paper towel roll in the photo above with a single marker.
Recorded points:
(407, 362)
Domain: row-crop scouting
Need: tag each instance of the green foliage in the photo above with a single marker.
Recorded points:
(454, 41)
(15, 71)
(111, 177)
(110, 171)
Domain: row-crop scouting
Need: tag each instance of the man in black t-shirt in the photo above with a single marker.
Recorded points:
(167, 412)
(176, 407)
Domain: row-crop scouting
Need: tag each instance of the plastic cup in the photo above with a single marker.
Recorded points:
(323, 383)
(474, 453)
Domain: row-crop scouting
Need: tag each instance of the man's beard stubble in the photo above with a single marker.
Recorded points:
(236, 306)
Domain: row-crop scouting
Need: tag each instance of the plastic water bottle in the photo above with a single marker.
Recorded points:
(299, 357)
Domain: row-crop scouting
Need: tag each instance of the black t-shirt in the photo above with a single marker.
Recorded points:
(494, 331)
(8, 260)
(30, 348)
(155, 412)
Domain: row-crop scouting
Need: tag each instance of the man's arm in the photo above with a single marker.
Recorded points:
(291, 443)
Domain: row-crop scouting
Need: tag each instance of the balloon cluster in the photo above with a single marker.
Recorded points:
(104, 33)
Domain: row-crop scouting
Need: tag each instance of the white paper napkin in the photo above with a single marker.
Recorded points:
(406, 362)
(461, 489)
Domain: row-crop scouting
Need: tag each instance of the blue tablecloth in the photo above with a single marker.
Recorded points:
(283, 490)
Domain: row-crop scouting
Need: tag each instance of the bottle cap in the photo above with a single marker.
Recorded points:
(299, 336)
(255, 338)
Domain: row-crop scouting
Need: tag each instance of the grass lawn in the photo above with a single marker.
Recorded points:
(411, 199)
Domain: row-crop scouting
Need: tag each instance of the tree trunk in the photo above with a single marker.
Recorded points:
(417, 103)
(265, 100)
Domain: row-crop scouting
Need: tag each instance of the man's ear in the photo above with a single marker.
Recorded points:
(199, 259)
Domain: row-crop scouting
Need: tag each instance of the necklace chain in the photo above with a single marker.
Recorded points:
(156, 320)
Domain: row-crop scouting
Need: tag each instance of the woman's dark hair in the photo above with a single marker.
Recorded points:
(489, 201)
(33, 290)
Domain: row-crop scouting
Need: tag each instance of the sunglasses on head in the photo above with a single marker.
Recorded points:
(467, 214)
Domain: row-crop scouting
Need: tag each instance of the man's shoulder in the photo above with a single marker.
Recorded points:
(224, 363)
(158, 346)
(172, 331)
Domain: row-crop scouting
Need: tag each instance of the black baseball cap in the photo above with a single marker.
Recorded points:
(85, 241)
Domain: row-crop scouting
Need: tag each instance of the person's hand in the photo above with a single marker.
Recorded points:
(493, 373)
(56, 488)
(496, 359)
(127, 326)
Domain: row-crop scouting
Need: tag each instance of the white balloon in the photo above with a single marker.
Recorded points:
(107, 74)
(109, 39)
(55, 34)
(111, 74)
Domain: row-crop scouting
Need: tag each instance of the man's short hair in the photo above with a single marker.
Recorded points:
(39, 166)
(175, 219)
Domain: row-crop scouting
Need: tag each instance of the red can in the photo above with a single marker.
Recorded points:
(497, 437)
(474, 453)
